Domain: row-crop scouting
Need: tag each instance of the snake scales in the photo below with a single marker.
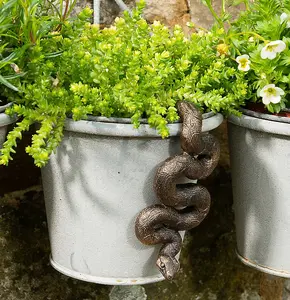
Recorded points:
(183, 206)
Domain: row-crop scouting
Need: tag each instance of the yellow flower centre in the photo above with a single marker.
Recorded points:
(271, 48)
(243, 62)
(271, 92)
(222, 48)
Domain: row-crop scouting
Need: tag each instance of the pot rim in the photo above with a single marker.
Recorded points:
(260, 122)
(5, 119)
(3, 107)
(123, 127)
(265, 116)
(128, 120)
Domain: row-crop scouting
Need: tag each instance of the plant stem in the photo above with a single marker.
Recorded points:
(201, 28)
(247, 4)
(9, 35)
(223, 7)
(61, 9)
(65, 10)
(72, 5)
(214, 14)
(249, 33)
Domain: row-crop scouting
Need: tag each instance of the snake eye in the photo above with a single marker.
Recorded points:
(162, 265)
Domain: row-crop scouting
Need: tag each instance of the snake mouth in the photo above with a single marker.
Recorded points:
(168, 266)
(166, 275)
(169, 277)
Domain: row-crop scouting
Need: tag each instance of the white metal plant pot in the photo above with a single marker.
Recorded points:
(4, 122)
(96, 184)
(260, 163)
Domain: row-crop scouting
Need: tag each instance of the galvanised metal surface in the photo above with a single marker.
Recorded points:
(260, 164)
(4, 122)
(95, 185)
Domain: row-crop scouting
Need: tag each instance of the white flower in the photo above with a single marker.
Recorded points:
(244, 62)
(284, 17)
(271, 49)
(271, 94)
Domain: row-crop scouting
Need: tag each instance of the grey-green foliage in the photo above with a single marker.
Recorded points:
(23, 23)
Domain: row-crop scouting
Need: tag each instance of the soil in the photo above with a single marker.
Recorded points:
(3, 101)
(260, 108)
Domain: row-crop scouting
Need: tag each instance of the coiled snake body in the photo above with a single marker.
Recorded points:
(183, 206)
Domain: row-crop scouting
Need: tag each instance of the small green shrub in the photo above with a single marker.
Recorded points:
(130, 70)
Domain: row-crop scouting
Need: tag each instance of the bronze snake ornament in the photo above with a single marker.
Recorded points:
(184, 206)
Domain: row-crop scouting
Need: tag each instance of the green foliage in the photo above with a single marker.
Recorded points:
(263, 22)
(137, 70)
(130, 70)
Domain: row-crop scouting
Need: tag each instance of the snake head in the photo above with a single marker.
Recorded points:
(191, 119)
(168, 266)
(186, 108)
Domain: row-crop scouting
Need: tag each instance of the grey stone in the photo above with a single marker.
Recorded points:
(169, 12)
(250, 295)
(109, 9)
(134, 292)
(201, 15)
(82, 4)
(286, 293)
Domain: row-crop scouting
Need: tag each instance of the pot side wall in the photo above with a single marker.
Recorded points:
(3, 131)
(94, 187)
(5, 120)
(260, 164)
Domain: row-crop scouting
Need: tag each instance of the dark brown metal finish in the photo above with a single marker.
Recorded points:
(184, 206)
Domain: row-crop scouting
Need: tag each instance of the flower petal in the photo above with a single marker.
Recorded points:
(280, 91)
(246, 56)
(264, 53)
(271, 55)
(281, 46)
(266, 100)
(268, 86)
(244, 68)
(275, 99)
(283, 17)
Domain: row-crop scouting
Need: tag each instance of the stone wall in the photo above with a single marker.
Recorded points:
(209, 267)
(169, 12)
